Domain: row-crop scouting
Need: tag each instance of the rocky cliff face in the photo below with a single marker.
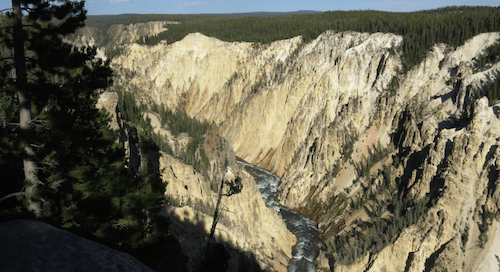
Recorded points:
(304, 111)
(245, 223)
(229, 83)
(120, 34)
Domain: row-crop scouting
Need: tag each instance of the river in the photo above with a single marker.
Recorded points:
(306, 230)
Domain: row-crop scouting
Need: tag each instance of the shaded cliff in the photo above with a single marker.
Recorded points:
(29, 245)
(338, 122)
(254, 235)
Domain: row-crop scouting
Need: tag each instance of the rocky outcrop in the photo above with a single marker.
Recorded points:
(88, 41)
(119, 34)
(299, 110)
(178, 143)
(245, 223)
(128, 134)
(109, 102)
(449, 139)
(27, 245)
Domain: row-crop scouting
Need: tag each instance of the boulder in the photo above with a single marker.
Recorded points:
(28, 245)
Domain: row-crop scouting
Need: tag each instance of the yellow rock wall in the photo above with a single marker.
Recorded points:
(291, 108)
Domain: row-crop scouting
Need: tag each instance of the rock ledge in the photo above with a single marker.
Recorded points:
(28, 245)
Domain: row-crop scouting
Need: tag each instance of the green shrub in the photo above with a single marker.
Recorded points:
(465, 238)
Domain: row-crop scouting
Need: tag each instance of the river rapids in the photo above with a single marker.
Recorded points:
(306, 250)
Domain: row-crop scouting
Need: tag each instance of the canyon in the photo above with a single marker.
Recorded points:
(120, 34)
(304, 111)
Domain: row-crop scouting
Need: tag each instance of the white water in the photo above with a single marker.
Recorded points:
(306, 250)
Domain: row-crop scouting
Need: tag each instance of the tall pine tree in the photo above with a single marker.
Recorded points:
(35, 52)
(58, 157)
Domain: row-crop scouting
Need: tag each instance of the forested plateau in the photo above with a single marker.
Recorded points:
(383, 131)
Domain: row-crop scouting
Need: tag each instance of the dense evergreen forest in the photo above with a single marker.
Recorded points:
(104, 21)
(421, 30)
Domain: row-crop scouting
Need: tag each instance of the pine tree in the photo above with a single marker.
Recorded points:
(31, 52)
(80, 182)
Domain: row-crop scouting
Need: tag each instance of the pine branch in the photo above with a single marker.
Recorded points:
(31, 59)
(12, 124)
(38, 123)
(6, 27)
(13, 194)
(44, 170)
(56, 184)
(28, 9)
(10, 195)
(8, 58)
(33, 26)
(49, 164)
(76, 224)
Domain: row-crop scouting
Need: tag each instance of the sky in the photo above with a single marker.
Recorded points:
(101, 7)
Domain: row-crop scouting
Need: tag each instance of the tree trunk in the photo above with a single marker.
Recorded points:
(210, 242)
(216, 213)
(27, 130)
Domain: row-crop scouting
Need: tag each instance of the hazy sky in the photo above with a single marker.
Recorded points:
(97, 7)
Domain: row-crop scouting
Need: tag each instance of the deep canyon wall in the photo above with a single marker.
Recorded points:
(294, 108)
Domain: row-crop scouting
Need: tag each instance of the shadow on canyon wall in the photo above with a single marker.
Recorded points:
(221, 257)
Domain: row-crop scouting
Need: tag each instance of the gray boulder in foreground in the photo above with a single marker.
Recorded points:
(28, 245)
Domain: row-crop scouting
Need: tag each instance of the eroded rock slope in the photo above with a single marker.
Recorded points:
(313, 114)
(245, 223)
